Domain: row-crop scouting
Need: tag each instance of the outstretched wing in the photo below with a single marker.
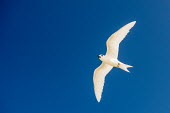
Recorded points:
(115, 39)
(99, 78)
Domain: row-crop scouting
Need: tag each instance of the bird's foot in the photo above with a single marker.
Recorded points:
(118, 65)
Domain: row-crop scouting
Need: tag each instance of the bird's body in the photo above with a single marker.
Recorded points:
(114, 62)
(110, 59)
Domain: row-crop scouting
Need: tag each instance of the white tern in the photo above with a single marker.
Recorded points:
(110, 59)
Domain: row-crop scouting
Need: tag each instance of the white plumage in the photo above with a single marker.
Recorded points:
(110, 59)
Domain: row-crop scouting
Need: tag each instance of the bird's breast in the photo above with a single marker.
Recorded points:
(110, 61)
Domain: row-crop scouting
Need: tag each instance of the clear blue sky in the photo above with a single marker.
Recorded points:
(49, 48)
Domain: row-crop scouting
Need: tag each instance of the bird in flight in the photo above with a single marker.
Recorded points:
(110, 60)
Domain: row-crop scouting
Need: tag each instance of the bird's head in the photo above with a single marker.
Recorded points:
(100, 56)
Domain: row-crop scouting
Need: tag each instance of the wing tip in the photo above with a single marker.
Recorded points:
(133, 23)
(98, 99)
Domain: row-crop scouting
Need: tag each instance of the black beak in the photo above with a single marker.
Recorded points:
(98, 56)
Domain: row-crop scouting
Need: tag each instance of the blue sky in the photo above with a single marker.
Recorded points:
(48, 52)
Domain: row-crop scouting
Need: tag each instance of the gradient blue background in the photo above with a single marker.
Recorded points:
(48, 52)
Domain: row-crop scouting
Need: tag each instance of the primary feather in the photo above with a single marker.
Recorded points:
(99, 78)
(115, 39)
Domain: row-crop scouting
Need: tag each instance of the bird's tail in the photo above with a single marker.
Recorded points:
(124, 67)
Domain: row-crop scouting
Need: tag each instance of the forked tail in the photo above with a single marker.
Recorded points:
(124, 67)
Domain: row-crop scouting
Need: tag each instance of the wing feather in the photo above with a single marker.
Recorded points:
(99, 78)
(115, 39)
